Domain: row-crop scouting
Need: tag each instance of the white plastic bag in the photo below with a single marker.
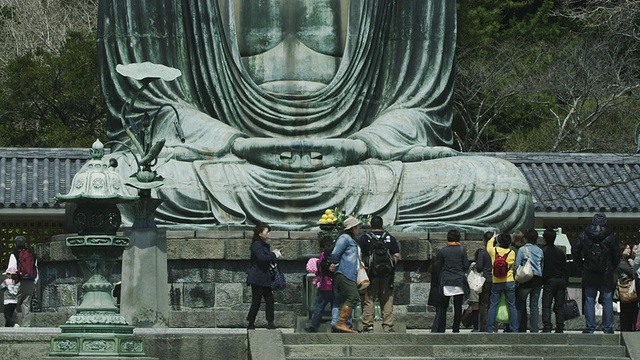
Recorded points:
(475, 279)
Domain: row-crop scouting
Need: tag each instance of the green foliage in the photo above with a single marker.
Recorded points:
(53, 100)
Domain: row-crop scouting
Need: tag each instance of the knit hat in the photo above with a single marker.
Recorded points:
(351, 222)
(599, 219)
(10, 270)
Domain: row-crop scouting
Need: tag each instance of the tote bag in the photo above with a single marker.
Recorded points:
(475, 280)
(525, 272)
(571, 309)
(362, 278)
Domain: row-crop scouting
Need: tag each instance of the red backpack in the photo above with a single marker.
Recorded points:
(26, 264)
(500, 264)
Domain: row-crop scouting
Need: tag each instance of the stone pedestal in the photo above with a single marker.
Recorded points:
(145, 291)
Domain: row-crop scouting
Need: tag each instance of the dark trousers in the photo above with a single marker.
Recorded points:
(628, 316)
(9, 315)
(553, 291)
(485, 301)
(457, 313)
(257, 293)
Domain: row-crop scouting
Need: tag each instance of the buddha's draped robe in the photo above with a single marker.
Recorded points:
(392, 91)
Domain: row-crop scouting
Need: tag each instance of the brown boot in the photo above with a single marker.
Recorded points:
(342, 326)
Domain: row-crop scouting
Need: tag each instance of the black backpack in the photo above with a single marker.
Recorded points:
(380, 259)
(596, 258)
(326, 261)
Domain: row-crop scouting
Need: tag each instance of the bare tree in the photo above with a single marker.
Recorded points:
(483, 94)
(583, 84)
(27, 25)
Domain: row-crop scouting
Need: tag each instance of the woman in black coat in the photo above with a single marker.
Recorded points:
(259, 275)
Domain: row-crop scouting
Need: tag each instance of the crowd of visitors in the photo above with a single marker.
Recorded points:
(521, 280)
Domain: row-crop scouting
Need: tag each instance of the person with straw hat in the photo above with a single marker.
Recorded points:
(345, 267)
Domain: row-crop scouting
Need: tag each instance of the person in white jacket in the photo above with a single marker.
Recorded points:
(11, 287)
(27, 283)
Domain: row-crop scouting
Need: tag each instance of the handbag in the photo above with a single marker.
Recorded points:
(502, 315)
(627, 291)
(525, 272)
(278, 281)
(362, 279)
(475, 281)
(571, 309)
(467, 318)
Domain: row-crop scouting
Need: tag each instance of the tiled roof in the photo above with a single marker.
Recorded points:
(31, 177)
(561, 183)
(567, 182)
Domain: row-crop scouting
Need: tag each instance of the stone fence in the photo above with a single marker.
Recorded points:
(207, 274)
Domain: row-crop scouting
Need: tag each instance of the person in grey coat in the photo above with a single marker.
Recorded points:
(453, 280)
(259, 275)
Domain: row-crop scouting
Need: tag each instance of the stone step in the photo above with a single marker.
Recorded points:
(451, 339)
(338, 351)
(467, 358)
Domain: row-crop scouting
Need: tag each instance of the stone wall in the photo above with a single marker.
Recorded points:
(207, 273)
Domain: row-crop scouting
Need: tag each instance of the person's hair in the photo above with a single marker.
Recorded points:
(20, 242)
(518, 239)
(504, 240)
(531, 235)
(549, 236)
(258, 229)
(486, 237)
(453, 236)
(376, 222)
(351, 231)
(325, 241)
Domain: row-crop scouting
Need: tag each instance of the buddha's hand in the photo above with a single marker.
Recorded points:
(420, 153)
(300, 154)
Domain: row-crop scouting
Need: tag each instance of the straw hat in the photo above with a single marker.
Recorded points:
(351, 222)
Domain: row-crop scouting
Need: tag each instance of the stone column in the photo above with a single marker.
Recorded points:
(145, 290)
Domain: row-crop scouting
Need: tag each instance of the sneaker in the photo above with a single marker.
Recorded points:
(251, 327)
(271, 326)
(310, 329)
(587, 332)
(16, 325)
(368, 330)
(388, 330)
(609, 332)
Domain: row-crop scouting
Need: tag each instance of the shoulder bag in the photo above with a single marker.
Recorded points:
(525, 272)
(627, 291)
(278, 281)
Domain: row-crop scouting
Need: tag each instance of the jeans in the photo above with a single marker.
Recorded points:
(606, 293)
(322, 299)
(509, 289)
(553, 291)
(533, 294)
